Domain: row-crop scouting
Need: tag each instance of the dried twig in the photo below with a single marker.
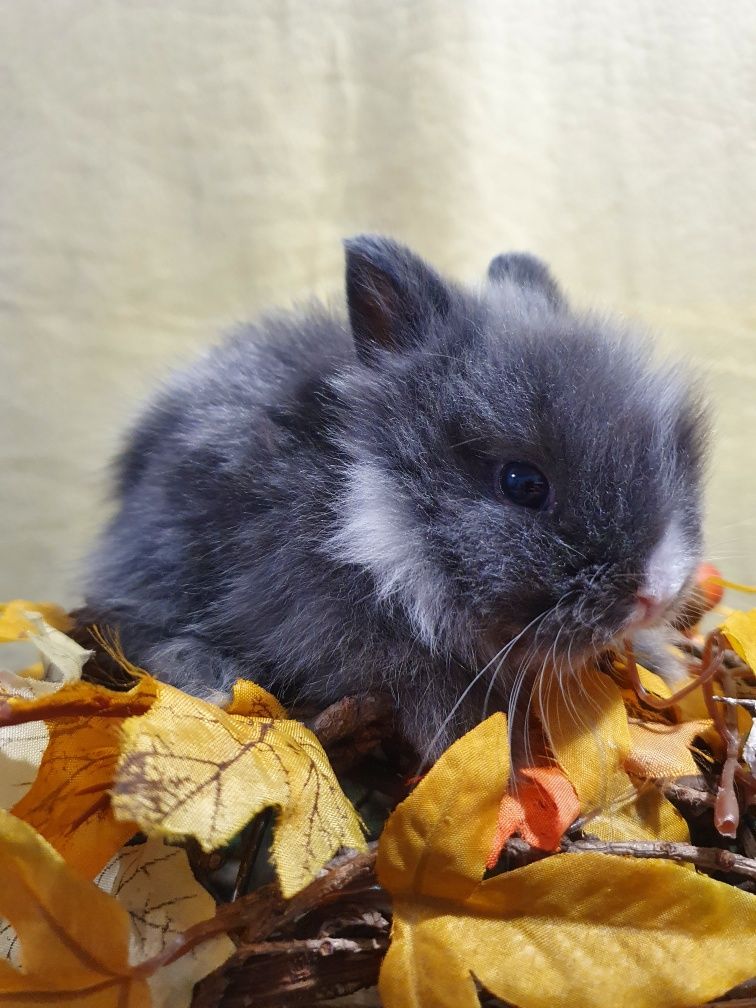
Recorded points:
(266, 911)
(726, 805)
(329, 939)
(696, 799)
(710, 859)
(279, 974)
(275, 967)
(352, 727)
(730, 659)
(280, 964)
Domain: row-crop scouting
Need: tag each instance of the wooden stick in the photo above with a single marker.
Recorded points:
(708, 858)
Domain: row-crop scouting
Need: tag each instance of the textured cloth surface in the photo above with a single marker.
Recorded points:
(167, 169)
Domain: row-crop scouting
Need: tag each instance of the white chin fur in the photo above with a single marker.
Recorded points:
(377, 533)
(654, 648)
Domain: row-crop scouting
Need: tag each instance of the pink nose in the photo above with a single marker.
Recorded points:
(650, 607)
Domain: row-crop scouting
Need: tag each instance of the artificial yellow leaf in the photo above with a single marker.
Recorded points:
(559, 933)
(442, 834)
(251, 700)
(73, 938)
(15, 623)
(590, 738)
(691, 707)
(191, 769)
(740, 630)
(69, 800)
(155, 885)
(588, 735)
(660, 750)
(653, 683)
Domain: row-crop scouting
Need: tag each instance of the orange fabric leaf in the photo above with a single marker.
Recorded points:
(540, 810)
(69, 801)
(80, 699)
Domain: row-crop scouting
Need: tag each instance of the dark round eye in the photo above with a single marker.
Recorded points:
(525, 485)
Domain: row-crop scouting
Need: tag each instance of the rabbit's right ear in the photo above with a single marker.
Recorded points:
(393, 296)
(527, 272)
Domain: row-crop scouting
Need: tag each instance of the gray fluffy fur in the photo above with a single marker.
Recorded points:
(314, 503)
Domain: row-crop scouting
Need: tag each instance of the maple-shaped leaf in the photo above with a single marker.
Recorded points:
(154, 883)
(72, 940)
(189, 768)
(21, 751)
(559, 933)
(69, 799)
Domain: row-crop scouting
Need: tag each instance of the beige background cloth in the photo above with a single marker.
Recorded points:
(168, 168)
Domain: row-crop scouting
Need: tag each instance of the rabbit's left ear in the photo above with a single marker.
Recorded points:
(393, 296)
(527, 272)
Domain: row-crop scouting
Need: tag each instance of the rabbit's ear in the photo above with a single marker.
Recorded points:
(392, 295)
(527, 272)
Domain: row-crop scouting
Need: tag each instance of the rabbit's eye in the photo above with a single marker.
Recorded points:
(523, 484)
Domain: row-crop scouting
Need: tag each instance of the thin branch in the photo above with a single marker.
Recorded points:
(295, 972)
(696, 798)
(265, 910)
(707, 858)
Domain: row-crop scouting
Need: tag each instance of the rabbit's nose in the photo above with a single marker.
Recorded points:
(649, 608)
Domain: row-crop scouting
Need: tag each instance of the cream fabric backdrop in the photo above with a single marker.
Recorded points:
(167, 168)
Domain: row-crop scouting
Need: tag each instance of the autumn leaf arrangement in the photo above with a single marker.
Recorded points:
(137, 824)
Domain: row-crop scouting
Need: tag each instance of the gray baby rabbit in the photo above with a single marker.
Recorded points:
(432, 496)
